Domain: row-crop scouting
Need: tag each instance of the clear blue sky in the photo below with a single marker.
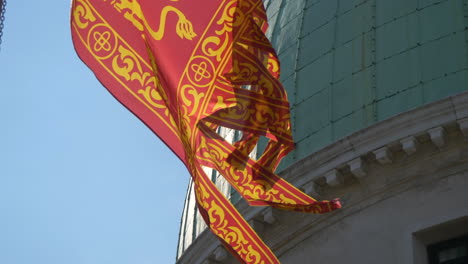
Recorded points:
(81, 179)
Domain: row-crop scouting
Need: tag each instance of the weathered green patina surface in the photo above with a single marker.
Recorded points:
(348, 64)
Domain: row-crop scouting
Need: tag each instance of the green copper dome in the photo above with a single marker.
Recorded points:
(351, 63)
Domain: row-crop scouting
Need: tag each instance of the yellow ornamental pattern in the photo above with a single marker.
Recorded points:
(121, 61)
(225, 53)
(82, 14)
(132, 11)
(237, 235)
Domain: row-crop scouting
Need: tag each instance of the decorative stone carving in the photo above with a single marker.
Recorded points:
(257, 225)
(437, 135)
(313, 189)
(383, 155)
(409, 145)
(463, 126)
(220, 254)
(269, 216)
(313, 169)
(358, 167)
(210, 261)
(334, 178)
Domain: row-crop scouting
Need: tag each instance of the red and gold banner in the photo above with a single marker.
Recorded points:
(186, 67)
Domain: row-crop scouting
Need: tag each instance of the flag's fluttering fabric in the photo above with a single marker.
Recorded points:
(185, 68)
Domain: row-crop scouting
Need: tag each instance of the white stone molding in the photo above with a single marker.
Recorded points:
(269, 215)
(210, 261)
(409, 145)
(437, 135)
(334, 178)
(463, 123)
(313, 189)
(220, 254)
(408, 129)
(358, 167)
(257, 225)
(383, 155)
(460, 105)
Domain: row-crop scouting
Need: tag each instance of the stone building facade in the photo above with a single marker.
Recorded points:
(380, 115)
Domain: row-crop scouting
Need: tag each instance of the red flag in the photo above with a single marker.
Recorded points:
(185, 68)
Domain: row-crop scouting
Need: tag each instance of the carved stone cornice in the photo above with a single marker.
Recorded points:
(429, 120)
(363, 169)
